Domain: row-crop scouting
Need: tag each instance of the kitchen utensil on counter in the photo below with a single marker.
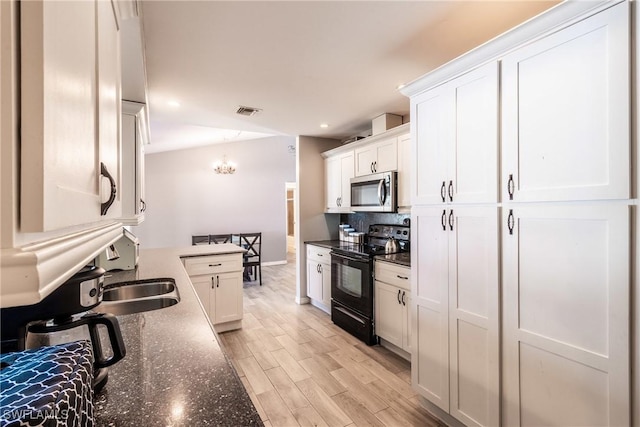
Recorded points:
(63, 316)
(391, 246)
(357, 237)
(48, 386)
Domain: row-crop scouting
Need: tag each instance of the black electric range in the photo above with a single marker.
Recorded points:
(352, 297)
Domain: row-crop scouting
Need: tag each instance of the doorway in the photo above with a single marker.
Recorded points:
(291, 222)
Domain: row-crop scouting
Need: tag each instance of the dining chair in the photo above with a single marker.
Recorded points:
(252, 242)
(219, 238)
(200, 240)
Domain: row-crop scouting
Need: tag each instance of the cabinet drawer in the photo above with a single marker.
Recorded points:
(213, 264)
(319, 254)
(393, 274)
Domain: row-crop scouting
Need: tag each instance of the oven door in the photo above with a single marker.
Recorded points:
(351, 282)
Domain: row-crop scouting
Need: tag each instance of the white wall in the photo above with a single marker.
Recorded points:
(311, 221)
(185, 197)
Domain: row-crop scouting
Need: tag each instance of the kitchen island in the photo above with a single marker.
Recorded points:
(175, 371)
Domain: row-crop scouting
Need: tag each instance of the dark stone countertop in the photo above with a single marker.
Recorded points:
(402, 258)
(175, 371)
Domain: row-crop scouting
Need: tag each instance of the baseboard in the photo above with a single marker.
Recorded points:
(395, 349)
(303, 300)
(228, 326)
(266, 264)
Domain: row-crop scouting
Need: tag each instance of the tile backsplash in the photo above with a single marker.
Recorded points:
(362, 220)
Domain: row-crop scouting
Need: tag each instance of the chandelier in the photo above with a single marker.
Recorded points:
(224, 167)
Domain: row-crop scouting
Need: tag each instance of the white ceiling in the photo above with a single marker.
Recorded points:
(304, 63)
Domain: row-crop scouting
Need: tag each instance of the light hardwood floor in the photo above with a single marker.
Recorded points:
(301, 369)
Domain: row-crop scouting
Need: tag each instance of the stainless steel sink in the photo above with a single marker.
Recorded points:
(139, 296)
(133, 290)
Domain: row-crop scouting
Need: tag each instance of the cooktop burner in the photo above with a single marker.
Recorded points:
(377, 238)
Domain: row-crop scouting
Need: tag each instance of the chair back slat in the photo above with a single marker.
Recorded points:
(252, 242)
(219, 238)
(200, 240)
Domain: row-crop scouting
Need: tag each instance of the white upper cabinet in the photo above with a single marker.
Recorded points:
(378, 157)
(70, 113)
(565, 113)
(135, 134)
(109, 105)
(339, 170)
(456, 133)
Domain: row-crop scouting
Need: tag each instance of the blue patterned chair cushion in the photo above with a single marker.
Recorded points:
(49, 386)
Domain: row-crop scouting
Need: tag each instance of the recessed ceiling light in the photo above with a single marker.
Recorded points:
(324, 125)
(400, 86)
(173, 103)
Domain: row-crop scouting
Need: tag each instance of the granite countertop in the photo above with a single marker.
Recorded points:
(329, 244)
(402, 258)
(175, 371)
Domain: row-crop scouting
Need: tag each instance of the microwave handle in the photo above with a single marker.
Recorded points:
(382, 192)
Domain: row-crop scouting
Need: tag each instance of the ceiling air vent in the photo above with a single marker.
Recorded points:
(247, 111)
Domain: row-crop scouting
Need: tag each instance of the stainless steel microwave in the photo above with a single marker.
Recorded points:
(375, 193)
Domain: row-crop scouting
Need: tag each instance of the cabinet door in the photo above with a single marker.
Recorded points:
(566, 315)
(386, 155)
(364, 160)
(333, 182)
(406, 320)
(432, 129)
(404, 171)
(430, 301)
(389, 313)
(325, 271)
(133, 137)
(565, 113)
(314, 281)
(474, 315)
(346, 173)
(59, 151)
(109, 104)
(473, 151)
(204, 289)
(228, 297)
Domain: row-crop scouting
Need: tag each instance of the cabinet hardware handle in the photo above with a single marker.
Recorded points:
(510, 221)
(451, 220)
(375, 166)
(215, 265)
(450, 191)
(403, 303)
(399, 296)
(320, 268)
(371, 167)
(143, 205)
(402, 277)
(212, 282)
(510, 186)
(444, 219)
(217, 281)
(112, 197)
(442, 191)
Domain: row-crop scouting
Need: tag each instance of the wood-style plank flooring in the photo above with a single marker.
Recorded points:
(301, 370)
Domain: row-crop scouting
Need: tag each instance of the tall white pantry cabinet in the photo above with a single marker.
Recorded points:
(523, 308)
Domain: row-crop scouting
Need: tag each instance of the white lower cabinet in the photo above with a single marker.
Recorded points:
(392, 301)
(455, 301)
(319, 277)
(566, 315)
(217, 280)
